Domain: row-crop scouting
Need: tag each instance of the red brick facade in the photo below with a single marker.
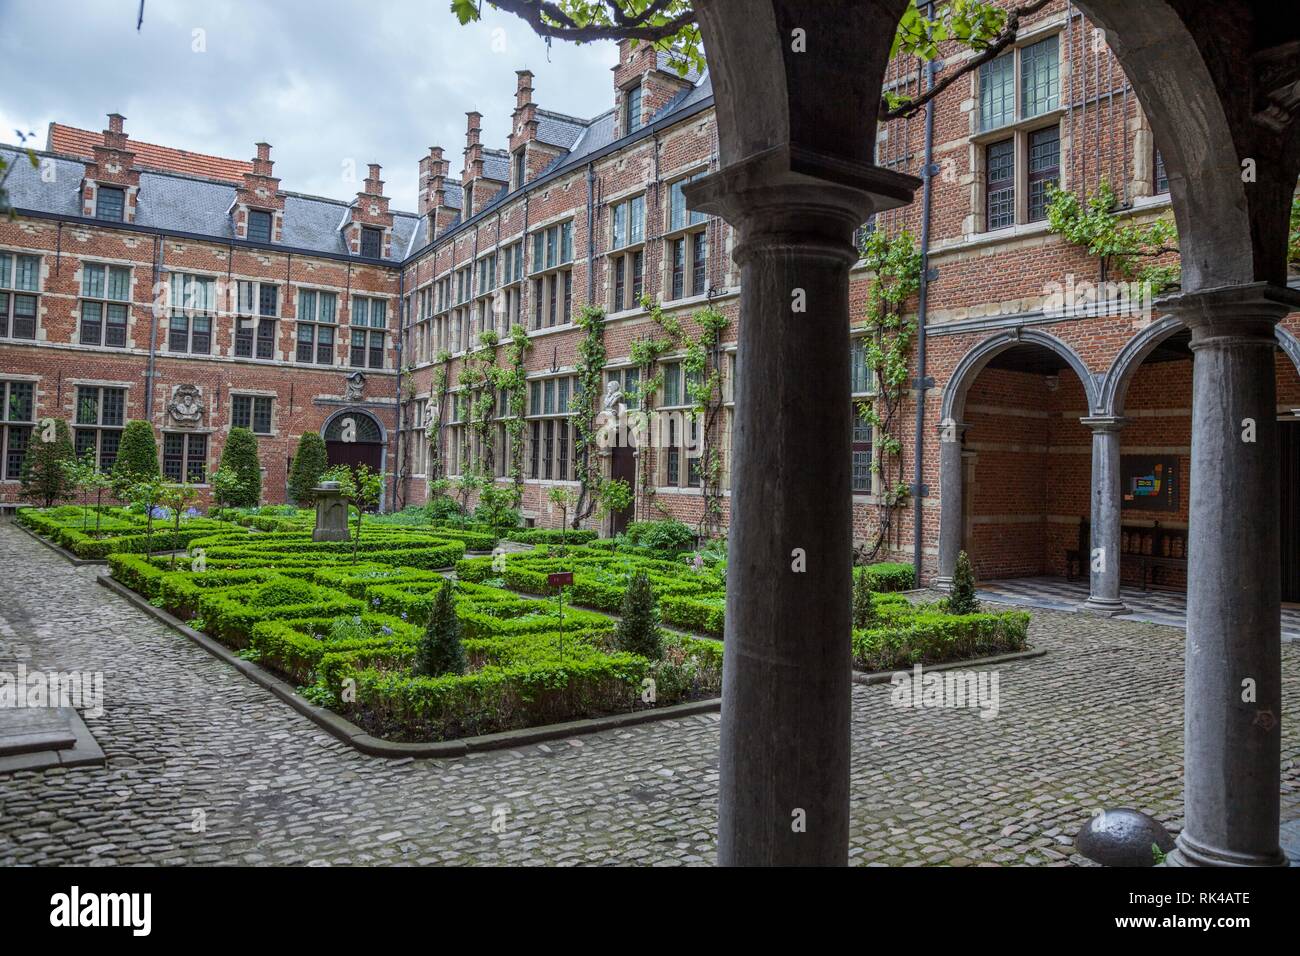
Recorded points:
(585, 186)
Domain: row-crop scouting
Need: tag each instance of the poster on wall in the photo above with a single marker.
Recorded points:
(1150, 482)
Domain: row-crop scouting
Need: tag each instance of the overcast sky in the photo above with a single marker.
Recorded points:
(322, 81)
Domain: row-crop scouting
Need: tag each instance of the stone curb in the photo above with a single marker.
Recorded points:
(62, 552)
(884, 677)
(354, 736)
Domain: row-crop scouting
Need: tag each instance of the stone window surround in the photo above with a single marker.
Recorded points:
(79, 276)
(1017, 130)
(232, 392)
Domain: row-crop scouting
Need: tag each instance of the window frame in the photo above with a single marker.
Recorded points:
(107, 190)
(255, 215)
(10, 427)
(105, 303)
(254, 403)
(550, 276)
(187, 457)
(309, 319)
(189, 314)
(253, 311)
(99, 427)
(11, 293)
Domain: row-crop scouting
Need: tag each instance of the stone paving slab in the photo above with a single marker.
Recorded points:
(204, 767)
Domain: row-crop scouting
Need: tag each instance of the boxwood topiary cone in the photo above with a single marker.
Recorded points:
(309, 463)
(638, 630)
(240, 457)
(963, 600)
(440, 651)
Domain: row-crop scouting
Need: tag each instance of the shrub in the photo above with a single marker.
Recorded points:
(137, 456)
(45, 473)
(886, 576)
(963, 600)
(309, 463)
(638, 631)
(668, 535)
(239, 458)
(279, 593)
(497, 506)
(921, 636)
(440, 651)
(864, 610)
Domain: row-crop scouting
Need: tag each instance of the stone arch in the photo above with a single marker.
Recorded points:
(974, 361)
(1114, 386)
(368, 424)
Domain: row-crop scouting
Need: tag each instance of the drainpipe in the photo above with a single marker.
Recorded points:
(153, 333)
(402, 318)
(591, 233)
(919, 490)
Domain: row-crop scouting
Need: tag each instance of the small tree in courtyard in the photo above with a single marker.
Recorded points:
(240, 457)
(137, 457)
(361, 488)
(44, 475)
(440, 650)
(147, 495)
(180, 500)
(565, 498)
(864, 610)
(309, 464)
(963, 600)
(638, 630)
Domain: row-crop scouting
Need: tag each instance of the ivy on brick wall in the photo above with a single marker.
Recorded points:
(702, 363)
(895, 266)
(1094, 224)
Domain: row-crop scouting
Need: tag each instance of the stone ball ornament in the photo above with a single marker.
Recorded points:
(1123, 837)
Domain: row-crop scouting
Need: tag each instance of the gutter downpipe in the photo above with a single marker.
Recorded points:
(150, 368)
(921, 384)
(402, 319)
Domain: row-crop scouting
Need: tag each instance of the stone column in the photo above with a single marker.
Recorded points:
(1232, 677)
(784, 762)
(950, 492)
(1104, 558)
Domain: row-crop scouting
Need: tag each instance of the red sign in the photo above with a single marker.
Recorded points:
(559, 579)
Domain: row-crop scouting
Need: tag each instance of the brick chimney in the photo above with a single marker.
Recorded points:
(433, 194)
(639, 64)
(260, 192)
(113, 165)
(479, 188)
(523, 129)
(370, 210)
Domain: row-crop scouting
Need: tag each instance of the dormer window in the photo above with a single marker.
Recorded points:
(372, 242)
(259, 225)
(110, 203)
(632, 109)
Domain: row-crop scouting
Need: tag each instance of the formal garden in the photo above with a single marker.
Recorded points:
(444, 621)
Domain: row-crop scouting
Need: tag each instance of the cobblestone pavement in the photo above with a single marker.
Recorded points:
(205, 767)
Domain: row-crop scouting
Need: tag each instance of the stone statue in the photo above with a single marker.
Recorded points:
(613, 396)
(431, 410)
(186, 406)
(356, 385)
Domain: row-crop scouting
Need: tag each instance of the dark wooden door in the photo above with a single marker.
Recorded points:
(354, 453)
(623, 465)
(1289, 433)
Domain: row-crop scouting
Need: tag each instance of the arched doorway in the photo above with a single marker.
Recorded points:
(1148, 388)
(1015, 458)
(354, 437)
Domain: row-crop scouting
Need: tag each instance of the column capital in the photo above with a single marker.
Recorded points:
(1104, 423)
(950, 430)
(791, 196)
(1243, 312)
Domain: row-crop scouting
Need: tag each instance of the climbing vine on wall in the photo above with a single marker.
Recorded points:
(438, 395)
(895, 266)
(702, 363)
(476, 379)
(512, 380)
(1093, 223)
(585, 405)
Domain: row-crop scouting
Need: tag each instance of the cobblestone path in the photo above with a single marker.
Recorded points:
(205, 767)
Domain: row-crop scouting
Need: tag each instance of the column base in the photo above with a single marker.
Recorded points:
(1104, 607)
(1188, 852)
(942, 583)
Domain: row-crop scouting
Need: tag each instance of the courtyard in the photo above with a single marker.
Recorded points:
(204, 767)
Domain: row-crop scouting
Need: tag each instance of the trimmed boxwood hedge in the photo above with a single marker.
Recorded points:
(926, 636)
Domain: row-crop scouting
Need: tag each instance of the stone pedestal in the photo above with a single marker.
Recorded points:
(331, 513)
(1104, 557)
(950, 491)
(1232, 681)
(784, 761)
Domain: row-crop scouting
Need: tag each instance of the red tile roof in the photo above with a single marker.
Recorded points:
(81, 142)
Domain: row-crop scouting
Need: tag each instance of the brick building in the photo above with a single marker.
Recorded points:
(291, 313)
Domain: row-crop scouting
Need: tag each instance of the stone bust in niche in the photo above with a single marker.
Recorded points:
(186, 406)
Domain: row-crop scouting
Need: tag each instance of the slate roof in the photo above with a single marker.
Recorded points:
(199, 205)
(189, 204)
